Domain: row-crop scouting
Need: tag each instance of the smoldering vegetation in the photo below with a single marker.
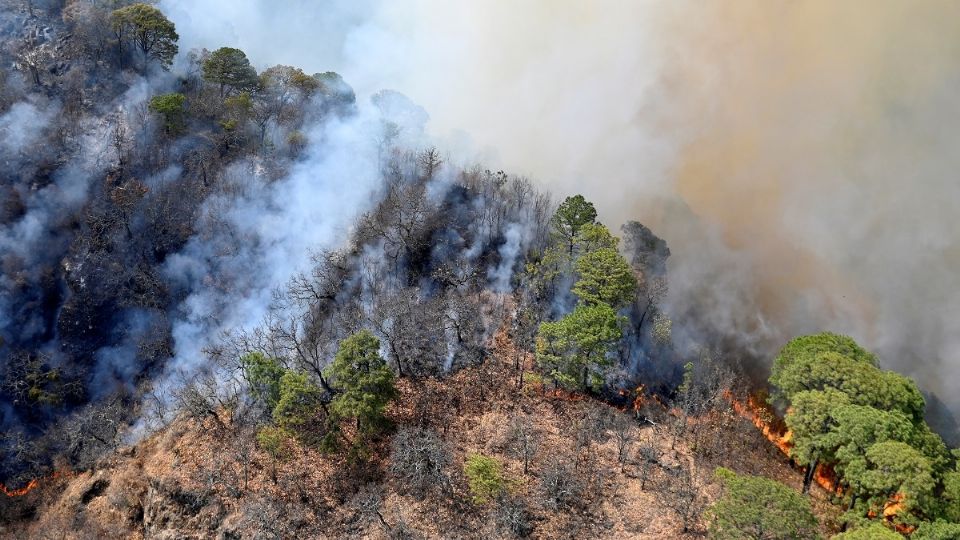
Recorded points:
(144, 251)
(799, 162)
(122, 227)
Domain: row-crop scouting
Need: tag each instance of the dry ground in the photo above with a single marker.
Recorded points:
(194, 481)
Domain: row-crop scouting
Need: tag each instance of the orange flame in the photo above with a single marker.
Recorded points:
(34, 483)
(760, 415)
(642, 398)
(826, 478)
(891, 509)
(766, 420)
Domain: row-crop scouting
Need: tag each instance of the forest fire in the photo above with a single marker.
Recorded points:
(764, 419)
(642, 399)
(770, 425)
(34, 484)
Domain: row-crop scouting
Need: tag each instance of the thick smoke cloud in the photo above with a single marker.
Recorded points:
(798, 157)
(261, 232)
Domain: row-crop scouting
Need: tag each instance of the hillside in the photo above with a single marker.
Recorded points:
(243, 301)
(193, 480)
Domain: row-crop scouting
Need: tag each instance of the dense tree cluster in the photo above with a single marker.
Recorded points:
(756, 507)
(867, 425)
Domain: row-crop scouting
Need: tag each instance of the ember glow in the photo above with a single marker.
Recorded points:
(772, 427)
(34, 484)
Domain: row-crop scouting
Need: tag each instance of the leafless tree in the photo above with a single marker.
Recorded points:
(207, 396)
(428, 161)
(119, 137)
(400, 221)
(367, 503)
(418, 460)
(648, 457)
(512, 517)
(624, 431)
(589, 425)
(560, 484)
(88, 434)
(410, 327)
(523, 439)
(34, 60)
(684, 494)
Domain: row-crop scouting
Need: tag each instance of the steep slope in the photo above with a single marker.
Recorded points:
(195, 480)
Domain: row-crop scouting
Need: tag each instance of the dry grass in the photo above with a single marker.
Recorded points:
(189, 477)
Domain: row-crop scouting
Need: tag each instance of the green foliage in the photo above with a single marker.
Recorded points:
(868, 425)
(757, 507)
(231, 70)
(896, 468)
(662, 328)
(574, 350)
(363, 381)
(938, 530)
(485, 478)
(287, 76)
(808, 347)
(810, 419)
(297, 142)
(594, 236)
(171, 108)
(874, 531)
(572, 214)
(239, 108)
(931, 445)
(147, 29)
(543, 274)
(334, 88)
(951, 494)
(263, 375)
(863, 383)
(274, 441)
(298, 408)
(605, 277)
(857, 428)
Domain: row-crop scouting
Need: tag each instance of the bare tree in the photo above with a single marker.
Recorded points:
(418, 460)
(367, 503)
(560, 485)
(523, 439)
(206, 396)
(400, 221)
(34, 60)
(624, 432)
(512, 517)
(589, 426)
(410, 327)
(428, 161)
(91, 432)
(684, 494)
(119, 137)
(647, 458)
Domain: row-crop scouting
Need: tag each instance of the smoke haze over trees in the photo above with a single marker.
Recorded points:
(778, 147)
(207, 233)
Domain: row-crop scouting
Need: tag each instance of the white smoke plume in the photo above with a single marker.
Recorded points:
(799, 157)
(263, 232)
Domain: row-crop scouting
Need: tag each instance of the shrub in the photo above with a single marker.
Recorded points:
(485, 477)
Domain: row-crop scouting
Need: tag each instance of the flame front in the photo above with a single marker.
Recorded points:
(761, 416)
(33, 484)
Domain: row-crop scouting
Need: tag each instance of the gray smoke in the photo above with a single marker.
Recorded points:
(261, 232)
(798, 157)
